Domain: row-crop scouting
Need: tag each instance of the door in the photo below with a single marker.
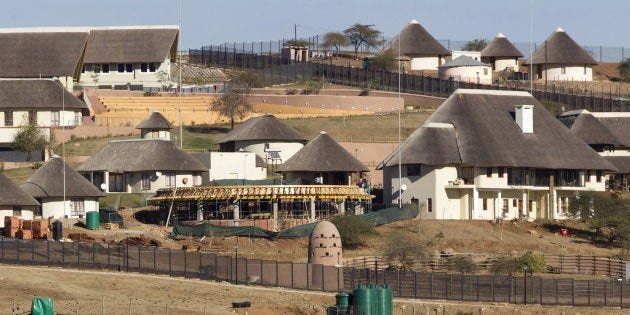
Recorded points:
(116, 182)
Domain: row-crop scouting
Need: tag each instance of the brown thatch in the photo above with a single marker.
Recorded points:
(488, 136)
(416, 41)
(12, 195)
(588, 128)
(141, 155)
(618, 125)
(500, 46)
(432, 144)
(37, 93)
(155, 121)
(131, 45)
(323, 154)
(622, 163)
(41, 54)
(195, 74)
(560, 48)
(47, 181)
(266, 127)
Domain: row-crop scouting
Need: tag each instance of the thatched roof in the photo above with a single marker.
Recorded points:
(142, 155)
(323, 154)
(155, 121)
(37, 93)
(32, 54)
(12, 195)
(47, 181)
(560, 48)
(618, 124)
(487, 135)
(266, 127)
(463, 61)
(195, 74)
(131, 45)
(622, 163)
(431, 144)
(588, 128)
(416, 41)
(500, 46)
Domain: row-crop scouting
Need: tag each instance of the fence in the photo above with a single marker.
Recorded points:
(405, 284)
(277, 70)
(567, 264)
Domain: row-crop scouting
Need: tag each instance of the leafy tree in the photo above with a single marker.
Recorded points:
(232, 103)
(477, 44)
(164, 78)
(533, 262)
(624, 70)
(384, 61)
(353, 230)
(362, 34)
(604, 214)
(29, 138)
(336, 40)
(297, 43)
(405, 248)
(95, 73)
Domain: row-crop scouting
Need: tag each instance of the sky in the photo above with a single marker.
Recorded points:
(211, 22)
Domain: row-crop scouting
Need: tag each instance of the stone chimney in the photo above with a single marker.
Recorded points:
(524, 115)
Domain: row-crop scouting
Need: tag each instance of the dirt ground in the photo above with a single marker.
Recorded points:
(92, 292)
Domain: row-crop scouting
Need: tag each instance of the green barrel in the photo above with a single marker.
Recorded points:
(92, 220)
(342, 302)
(384, 299)
(363, 301)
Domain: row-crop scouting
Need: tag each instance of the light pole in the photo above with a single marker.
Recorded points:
(525, 286)
(356, 152)
(63, 140)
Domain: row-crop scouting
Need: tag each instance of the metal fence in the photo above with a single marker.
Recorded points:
(405, 284)
(274, 69)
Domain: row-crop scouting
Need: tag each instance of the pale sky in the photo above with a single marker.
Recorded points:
(589, 23)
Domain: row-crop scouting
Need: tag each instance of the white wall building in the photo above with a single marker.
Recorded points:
(466, 69)
(501, 54)
(474, 158)
(418, 45)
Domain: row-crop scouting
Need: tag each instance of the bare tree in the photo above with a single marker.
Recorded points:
(336, 40)
(362, 34)
(232, 103)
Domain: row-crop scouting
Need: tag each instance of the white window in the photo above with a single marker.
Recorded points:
(54, 118)
(146, 181)
(125, 68)
(77, 207)
(195, 179)
(170, 180)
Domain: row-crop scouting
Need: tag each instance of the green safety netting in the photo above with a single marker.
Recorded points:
(42, 306)
(377, 218)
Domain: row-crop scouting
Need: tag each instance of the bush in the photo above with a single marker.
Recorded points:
(406, 249)
(462, 264)
(505, 265)
(533, 262)
(353, 230)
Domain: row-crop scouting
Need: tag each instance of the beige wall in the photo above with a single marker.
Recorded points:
(476, 74)
(235, 165)
(147, 79)
(54, 207)
(553, 72)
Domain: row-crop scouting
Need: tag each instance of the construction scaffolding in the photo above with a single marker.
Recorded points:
(272, 207)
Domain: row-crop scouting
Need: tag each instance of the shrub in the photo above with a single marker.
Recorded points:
(505, 265)
(353, 230)
(533, 262)
(405, 249)
(462, 264)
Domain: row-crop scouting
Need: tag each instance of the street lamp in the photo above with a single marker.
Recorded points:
(356, 152)
(63, 140)
(525, 286)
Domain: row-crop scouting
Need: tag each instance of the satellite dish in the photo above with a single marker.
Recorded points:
(158, 173)
(403, 187)
(103, 186)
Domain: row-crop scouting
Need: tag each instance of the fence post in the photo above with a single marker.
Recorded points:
(2, 244)
(186, 264)
(572, 291)
(78, 250)
(292, 275)
(511, 289)
(154, 259)
(415, 284)
(170, 267)
(93, 255)
(17, 250)
(261, 269)
(277, 274)
(48, 252)
(621, 295)
(63, 255)
(33, 253)
(139, 259)
(431, 286)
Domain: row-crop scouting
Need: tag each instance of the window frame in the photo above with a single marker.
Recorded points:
(170, 180)
(8, 118)
(414, 170)
(145, 181)
(77, 207)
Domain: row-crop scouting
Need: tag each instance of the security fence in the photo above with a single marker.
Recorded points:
(524, 289)
(275, 69)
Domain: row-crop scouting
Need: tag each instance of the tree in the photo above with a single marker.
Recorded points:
(29, 138)
(604, 214)
(385, 61)
(336, 40)
(232, 103)
(624, 70)
(505, 265)
(406, 249)
(462, 264)
(477, 44)
(353, 230)
(164, 78)
(95, 73)
(361, 34)
(532, 262)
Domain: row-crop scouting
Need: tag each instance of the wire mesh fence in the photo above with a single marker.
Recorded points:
(524, 289)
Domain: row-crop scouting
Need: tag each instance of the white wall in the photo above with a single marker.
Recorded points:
(287, 149)
(54, 207)
(44, 118)
(27, 213)
(501, 64)
(476, 55)
(571, 73)
(473, 74)
(235, 165)
(426, 63)
(147, 79)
